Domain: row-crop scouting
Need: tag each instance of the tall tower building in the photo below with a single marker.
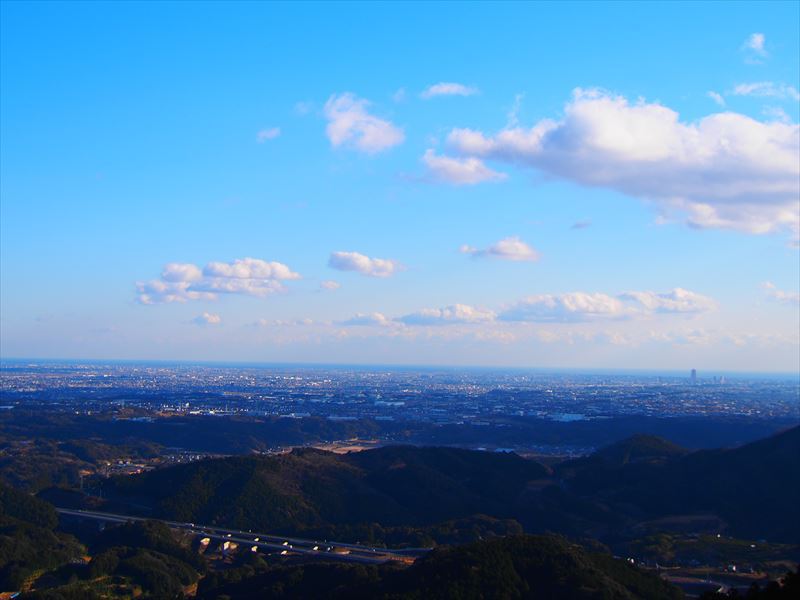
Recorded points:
(693, 377)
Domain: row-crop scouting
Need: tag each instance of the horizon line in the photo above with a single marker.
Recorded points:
(404, 366)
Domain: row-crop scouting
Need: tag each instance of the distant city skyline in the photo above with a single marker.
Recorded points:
(506, 184)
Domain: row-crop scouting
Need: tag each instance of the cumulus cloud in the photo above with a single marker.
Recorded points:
(459, 171)
(157, 291)
(724, 171)
(448, 89)
(249, 268)
(351, 125)
(207, 318)
(555, 309)
(367, 319)
(510, 248)
(767, 89)
(574, 306)
(449, 315)
(330, 284)
(181, 272)
(582, 306)
(780, 295)
(181, 282)
(268, 134)
(372, 267)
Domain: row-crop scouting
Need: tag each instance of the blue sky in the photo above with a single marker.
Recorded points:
(563, 185)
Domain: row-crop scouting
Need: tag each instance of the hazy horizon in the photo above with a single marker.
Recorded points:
(555, 370)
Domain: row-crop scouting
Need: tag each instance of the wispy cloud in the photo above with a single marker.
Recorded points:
(512, 118)
(351, 125)
(510, 248)
(367, 319)
(678, 300)
(458, 171)
(583, 306)
(303, 107)
(556, 309)
(716, 97)
(780, 295)
(207, 318)
(754, 48)
(449, 315)
(448, 89)
(371, 267)
(767, 89)
(268, 134)
(330, 285)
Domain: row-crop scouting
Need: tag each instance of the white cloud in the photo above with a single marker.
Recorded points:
(157, 291)
(372, 267)
(582, 306)
(512, 118)
(181, 272)
(268, 134)
(330, 284)
(781, 295)
(306, 322)
(776, 113)
(303, 107)
(448, 89)
(181, 282)
(767, 89)
(249, 268)
(459, 171)
(716, 97)
(399, 95)
(583, 224)
(350, 125)
(676, 301)
(449, 315)
(246, 287)
(754, 47)
(370, 319)
(574, 306)
(207, 318)
(725, 171)
(510, 248)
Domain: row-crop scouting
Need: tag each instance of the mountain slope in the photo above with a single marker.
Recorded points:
(755, 488)
(309, 488)
(512, 567)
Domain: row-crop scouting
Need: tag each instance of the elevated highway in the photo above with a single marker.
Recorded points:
(326, 549)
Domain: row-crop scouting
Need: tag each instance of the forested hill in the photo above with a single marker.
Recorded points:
(310, 488)
(512, 567)
(753, 489)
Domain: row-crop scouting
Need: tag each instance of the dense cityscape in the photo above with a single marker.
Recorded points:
(427, 395)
